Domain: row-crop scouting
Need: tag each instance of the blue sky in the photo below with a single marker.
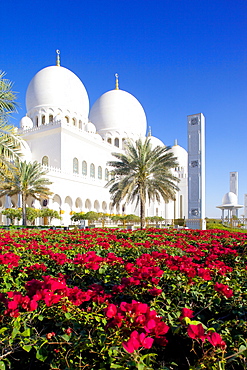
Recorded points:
(176, 57)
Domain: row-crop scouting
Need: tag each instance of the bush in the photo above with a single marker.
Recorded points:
(149, 299)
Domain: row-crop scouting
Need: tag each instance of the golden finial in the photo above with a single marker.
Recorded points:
(117, 86)
(58, 57)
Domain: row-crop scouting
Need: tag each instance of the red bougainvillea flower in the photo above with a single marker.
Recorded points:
(155, 291)
(223, 289)
(216, 340)
(50, 335)
(186, 312)
(111, 310)
(136, 341)
(196, 332)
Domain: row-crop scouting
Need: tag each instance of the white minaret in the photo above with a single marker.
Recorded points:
(234, 182)
(234, 188)
(245, 205)
(196, 172)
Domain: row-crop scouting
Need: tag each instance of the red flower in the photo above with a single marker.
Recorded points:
(216, 340)
(111, 311)
(196, 332)
(223, 289)
(186, 312)
(155, 291)
(136, 341)
(50, 335)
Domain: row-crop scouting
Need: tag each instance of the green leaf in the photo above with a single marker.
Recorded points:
(2, 330)
(67, 315)
(40, 355)
(65, 337)
(242, 348)
(26, 333)
(40, 317)
(2, 365)
(27, 348)
(14, 333)
(141, 366)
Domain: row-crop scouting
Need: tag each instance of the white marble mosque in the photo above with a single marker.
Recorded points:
(74, 143)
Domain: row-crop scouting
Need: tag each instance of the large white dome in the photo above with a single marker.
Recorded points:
(117, 110)
(57, 87)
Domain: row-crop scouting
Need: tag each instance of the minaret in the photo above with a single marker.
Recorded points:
(196, 172)
(234, 182)
(234, 188)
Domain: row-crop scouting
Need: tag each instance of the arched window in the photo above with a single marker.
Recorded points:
(116, 142)
(45, 161)
(37, 121)
(50, 118)
(109, 140)
(75, 165)
(100, 172)
(92, 170)
(43, 119)
(74, 121)
(80, 124)
(67, 119)
(106, 175)
(84, 168)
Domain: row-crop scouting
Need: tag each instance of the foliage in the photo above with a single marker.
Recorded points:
(51, 213)
(91, 216)
(32, 214)
(9, 140)
(26, 179)
(142, 174)
(150, 299)
(12, 214)
(155, 219)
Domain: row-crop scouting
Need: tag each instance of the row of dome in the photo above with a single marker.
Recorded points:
(59, 89)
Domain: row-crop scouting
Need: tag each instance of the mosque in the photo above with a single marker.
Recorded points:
(74, 144)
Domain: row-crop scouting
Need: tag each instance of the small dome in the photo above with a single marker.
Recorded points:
(155, 142)
(181, 154)
(230, 199)
(117, 110)
(26, 123)
(90, 128)
(57, 87)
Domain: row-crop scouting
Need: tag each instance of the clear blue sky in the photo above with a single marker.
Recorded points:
(178, 57)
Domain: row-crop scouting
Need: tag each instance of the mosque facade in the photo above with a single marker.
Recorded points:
(75, 142)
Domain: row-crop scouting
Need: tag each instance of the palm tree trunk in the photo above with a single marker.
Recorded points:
(24, 210)
(142, 206)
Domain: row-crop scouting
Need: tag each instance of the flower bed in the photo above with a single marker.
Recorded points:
(108, 299)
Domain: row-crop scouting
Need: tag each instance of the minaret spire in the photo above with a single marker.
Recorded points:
(149, 131)
(58, 58)
(117, 86)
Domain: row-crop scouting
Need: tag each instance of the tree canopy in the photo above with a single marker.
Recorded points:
(26, 179)
(143, 173)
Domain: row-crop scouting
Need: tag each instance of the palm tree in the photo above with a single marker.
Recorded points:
(26, 179)
(143, 173)
(9, 140)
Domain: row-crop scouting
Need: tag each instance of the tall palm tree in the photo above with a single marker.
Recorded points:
(9, 140)
(143, 173)
(26, 179)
